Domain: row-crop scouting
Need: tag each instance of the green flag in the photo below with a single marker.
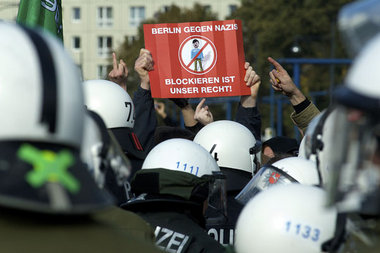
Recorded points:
(44, 13)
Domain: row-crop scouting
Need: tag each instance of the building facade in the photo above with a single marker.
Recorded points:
(94, 28)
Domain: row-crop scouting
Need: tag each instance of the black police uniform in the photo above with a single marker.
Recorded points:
(219, 226)
(177, 230)
(172, 203)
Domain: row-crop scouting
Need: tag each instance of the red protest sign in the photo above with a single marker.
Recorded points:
(196, 59)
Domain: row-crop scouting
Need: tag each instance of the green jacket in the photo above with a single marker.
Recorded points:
(29, 232)
(128, 222)
(302, 119)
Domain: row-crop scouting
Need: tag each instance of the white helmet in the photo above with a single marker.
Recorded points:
(317, 144)
(181, 168)
(231, 144)
(41, 100)
(358, 23)
(285, 171)
(105, 158)
(354, 164)
(287, 218)
(111, 102)
(181, 155)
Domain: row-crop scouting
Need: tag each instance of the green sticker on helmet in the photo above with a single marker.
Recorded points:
(49, 167)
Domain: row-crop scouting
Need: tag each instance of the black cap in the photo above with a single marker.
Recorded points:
(282, 144)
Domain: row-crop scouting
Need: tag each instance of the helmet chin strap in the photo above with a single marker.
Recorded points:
(253, 155)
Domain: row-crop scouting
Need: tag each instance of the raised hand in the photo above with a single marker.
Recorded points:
(119, 73)
(143, 65)
(203, 114)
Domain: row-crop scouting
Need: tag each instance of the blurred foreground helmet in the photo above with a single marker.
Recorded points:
(288, 218)
(358, 23)
(42, 111)
(285, 171)
(356, 158)
(182, 168)
(317, 144)
(104, 157)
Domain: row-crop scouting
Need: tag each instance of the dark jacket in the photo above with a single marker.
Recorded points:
(177, 229)
(222, 228)
(23, 231)
(250, 118)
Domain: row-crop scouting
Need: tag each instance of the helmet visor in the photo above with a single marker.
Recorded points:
(354, 165)
(217, 200)
(267, 176)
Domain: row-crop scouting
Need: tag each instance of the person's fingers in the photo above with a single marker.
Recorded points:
(276, 88)
(274, 79)
(246, 65)
(114, 60)
(276, 64)
(147, 62)
(124, 65)
(277, 75)
(144, 51)
(256, 79)
(248, 73)
(251, 78)
(200, 105)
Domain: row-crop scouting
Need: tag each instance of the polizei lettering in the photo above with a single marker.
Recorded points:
(169, 240)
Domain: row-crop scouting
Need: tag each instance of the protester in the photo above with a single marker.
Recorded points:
(160, 110)
(277, 146)
(304, 109)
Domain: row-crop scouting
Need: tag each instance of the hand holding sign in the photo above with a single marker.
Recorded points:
(143, 65)
(203, 114)
(196, 59)
(119, 73)
(253, 81)
(281, 81)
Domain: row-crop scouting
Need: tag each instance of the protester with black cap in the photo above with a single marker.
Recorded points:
(279, 146)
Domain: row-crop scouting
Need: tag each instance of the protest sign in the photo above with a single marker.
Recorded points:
(196, 59)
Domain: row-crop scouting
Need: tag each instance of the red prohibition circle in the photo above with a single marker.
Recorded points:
(187, 66)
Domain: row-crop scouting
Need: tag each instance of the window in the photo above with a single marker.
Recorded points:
(104, 46)
(137, 15)
(232, 8)
(165, 8)
(131, 39)
(105, 16)
(76, 43)
(76, 14)
(102, 71)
